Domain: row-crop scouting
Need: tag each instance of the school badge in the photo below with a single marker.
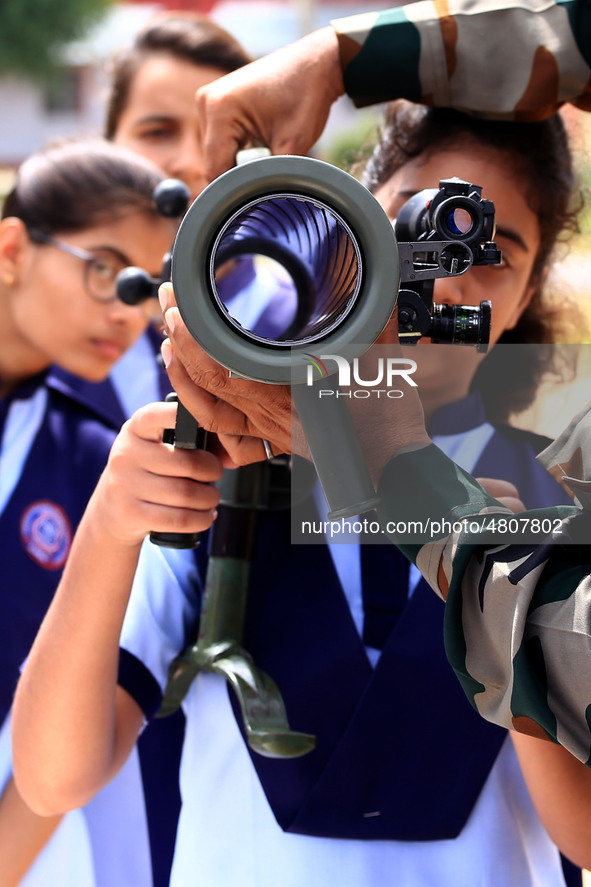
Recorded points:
(46, 534)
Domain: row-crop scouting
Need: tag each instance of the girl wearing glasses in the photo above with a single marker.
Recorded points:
(77, 215)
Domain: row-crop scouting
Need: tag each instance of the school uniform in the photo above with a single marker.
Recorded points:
(136, 379)
(54, 448)
(407, 785)
(265, 303)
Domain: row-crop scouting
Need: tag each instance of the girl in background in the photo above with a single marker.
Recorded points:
(151, 110)
(78, 214)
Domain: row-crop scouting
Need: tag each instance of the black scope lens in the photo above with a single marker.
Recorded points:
(459, 221)
(458, 218)
(461, 325)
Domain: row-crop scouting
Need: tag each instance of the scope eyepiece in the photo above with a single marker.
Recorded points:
(457, 218)
(454, 211)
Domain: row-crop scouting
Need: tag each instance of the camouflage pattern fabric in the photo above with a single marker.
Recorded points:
(517, 59)
(518, 609)
(518, 613)
(568, 459)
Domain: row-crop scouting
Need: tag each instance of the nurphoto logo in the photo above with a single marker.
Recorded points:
(388, 371)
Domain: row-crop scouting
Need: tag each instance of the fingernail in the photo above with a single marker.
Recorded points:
(166, 352)
(163, 298)
(169, 319)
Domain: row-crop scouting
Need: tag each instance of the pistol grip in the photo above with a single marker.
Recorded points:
(188, 435)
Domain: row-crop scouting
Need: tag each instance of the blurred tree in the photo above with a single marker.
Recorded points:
(350, 147)
(32, 30)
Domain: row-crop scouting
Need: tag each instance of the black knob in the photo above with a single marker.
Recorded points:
(134, 285)
(172, 198)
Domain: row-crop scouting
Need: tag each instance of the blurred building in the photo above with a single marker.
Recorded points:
(74, 103)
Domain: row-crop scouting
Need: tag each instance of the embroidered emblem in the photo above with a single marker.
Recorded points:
(46, 534)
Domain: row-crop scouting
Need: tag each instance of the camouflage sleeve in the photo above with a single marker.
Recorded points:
(518, 613)
(516, 59)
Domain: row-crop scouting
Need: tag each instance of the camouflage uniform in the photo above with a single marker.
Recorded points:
(515, 59)
(518, 611)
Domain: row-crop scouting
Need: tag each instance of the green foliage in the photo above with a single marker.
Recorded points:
(31, 30)
(350, 147)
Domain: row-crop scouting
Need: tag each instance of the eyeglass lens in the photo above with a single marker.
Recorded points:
(101, 273)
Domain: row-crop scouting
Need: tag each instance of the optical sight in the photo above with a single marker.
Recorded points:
(442, 233)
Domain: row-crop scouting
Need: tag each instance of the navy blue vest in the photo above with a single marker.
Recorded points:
(401, 754)
(63, 466)
(160, 745)
(36, 527)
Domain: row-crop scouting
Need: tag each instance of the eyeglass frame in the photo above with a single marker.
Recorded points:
(38, 236)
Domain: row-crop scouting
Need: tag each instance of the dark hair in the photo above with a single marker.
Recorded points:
(184, 35)
(538, 155)
(73, 185)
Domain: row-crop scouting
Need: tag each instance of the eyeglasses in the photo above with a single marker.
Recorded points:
(100, 268)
